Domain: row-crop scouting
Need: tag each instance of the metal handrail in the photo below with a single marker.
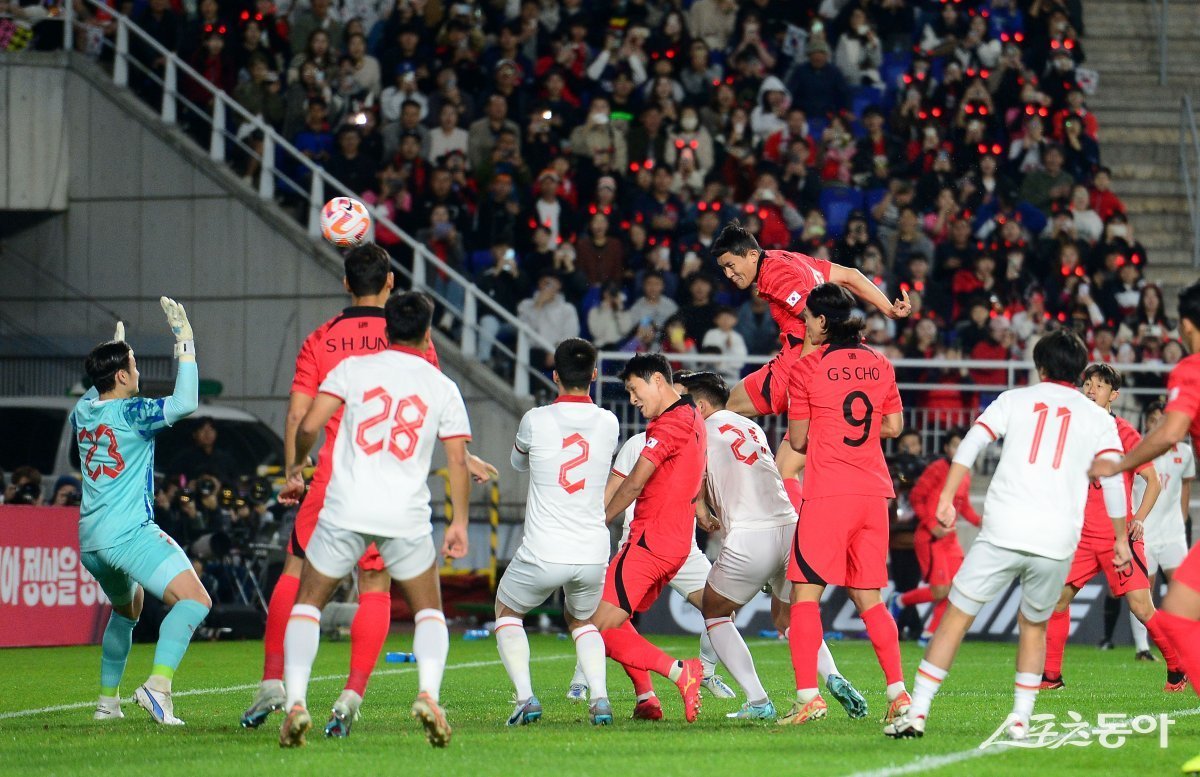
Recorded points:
(1162, 19)
(1189, 169)
(322, 185)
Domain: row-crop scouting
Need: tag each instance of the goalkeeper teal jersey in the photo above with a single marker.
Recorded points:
(116, 455)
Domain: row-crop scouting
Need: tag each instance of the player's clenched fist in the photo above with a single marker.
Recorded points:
(455, 543)
(946, 514)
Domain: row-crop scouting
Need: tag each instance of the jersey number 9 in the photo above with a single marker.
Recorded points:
(863, 421)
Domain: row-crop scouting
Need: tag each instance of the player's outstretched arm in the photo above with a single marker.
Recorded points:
(455, 543)
(1153, 490)
(1173, 429)
(186, 397)
(860, 286)
(629, 489)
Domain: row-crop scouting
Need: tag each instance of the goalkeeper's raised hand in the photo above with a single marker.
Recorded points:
(178, 321)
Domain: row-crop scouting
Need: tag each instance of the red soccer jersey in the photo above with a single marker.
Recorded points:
(784, 281)
(844, 393)
(1183, 394)
(353, 332)
(1096, 523)
(664, 519)
(927, 489)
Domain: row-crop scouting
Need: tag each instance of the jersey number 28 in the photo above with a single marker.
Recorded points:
(407, 420)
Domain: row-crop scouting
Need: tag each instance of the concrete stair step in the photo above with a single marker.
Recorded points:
(1116, 154)
(1173, 275)
(1135, 188)
(1168, 135)
(1155, 204)
(1165, 117)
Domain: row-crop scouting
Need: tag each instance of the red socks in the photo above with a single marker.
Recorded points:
(922, 595)
(939, 610)
(795, 492)
(804, 641)
(368, 632)
(624, 645)
(885, 638)
(1156, 626)
(283, 598)
(640, 678)
(1183, 635)
(1057, 632)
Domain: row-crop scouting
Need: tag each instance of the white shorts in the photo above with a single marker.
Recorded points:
(692, 576)
(751, 558)
(988, 570)
(1168, 554)
(334, 552)
(528, 581)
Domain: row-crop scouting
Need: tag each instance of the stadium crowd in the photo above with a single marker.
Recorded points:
(576, 159)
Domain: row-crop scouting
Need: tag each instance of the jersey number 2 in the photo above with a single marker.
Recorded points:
(584, 451)
(1042, 411)
(404, 425)
(736, 445)
(105, 433)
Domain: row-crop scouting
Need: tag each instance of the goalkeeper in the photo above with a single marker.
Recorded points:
(119, 542)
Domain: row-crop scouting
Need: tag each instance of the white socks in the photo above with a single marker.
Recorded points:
(925, 687)
(431, 643)
(300, 643)
(1025, 693)
(731, 648)
(513, 644)
(708, 655)
(826, 666)
(1141, 640)
(579, 678)
(589, 647)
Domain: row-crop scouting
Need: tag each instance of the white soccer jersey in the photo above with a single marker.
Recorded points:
(1051, 434)
(567, 448)
(626, 460)
(397, 404)
(1165, 521)
(745, 489)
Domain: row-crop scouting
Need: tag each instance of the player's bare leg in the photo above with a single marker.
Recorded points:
(713, 682)
(300, 645)
(804, 641)
(623, 643)
(939, 656)
(114, 654)
(731, 649)
(431, 645)
(270, 696)
(368, 632)
(885, 639)
(513, 645)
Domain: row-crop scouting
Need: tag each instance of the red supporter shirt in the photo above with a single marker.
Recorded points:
(844, 393)
(1183, 394)
(353, 332)
(1096, 523)
(784, 281)
(927, 489)
(664, 518)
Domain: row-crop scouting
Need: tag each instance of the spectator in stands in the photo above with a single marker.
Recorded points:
(675, 340)
(908, 240)
(349, 165)
(365, 68)
(485, 132)
(445, 241)
(317, 16)
(447, 136)
(817, 85)
(725, 338)
(551, 211)
(299, 92)
(690, 136)
(713, 22)
(317, 50)
(598, 255)
(859, 51)
(206, 16)
(770, 110)
(1082, 154)
(204, 457)
(609, 323)
(260, 93)
(700, 310)
(503, 284)
(24, 487)
(653, 307)
(598, 147)
(214, 64)
(67, 492)
(1088, 225)
(165, 27)
(550, 316)
(1104, 201)
(698, 77)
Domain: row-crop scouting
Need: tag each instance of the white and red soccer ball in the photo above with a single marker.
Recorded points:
(345, 222)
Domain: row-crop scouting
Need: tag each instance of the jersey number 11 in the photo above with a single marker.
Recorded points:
(1042, 412)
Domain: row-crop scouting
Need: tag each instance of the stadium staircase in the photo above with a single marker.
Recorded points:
(1140, 122)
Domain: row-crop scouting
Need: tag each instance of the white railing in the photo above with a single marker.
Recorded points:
(1189, 169)
(320, 187)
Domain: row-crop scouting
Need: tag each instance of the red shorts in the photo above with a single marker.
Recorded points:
(841, 540)
(1188, 572)
(768, 385)
(306, 523)
(940, 558)
(1094, 556)
(636, 577)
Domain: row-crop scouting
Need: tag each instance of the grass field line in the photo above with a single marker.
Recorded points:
(253, 686)
(928, 762)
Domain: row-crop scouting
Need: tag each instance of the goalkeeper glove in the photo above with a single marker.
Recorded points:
(178, 321)
(119, 335)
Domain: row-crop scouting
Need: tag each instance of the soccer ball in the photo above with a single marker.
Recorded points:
(345, 222)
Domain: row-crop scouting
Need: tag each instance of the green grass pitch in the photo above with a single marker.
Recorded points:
(216, 680)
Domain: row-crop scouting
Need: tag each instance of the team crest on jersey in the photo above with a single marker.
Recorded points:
(793, 298)
(651, 442)
(1173, 394)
